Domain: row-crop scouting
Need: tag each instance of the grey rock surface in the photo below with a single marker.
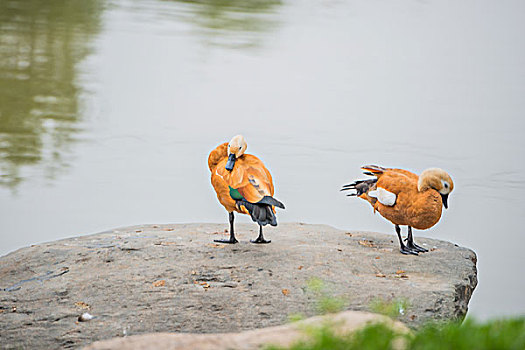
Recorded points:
(173, 278)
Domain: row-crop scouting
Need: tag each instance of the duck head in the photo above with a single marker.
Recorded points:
(236, 149)
(438, 180)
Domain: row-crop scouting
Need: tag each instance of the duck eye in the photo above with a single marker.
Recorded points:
(446, 185)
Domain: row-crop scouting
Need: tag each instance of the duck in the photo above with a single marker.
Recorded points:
(243, 185)
(405, 199)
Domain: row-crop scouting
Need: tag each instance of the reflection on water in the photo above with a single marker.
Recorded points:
(41, 43)
(230, 23)
(233, 23)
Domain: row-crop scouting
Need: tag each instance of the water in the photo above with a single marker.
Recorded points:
(108, 110)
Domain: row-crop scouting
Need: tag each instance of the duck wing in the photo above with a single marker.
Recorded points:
(378, 171)
(389, 183)
(250, 185)
(217, 155)
(394, 183)
(249, 181)
(384, 196)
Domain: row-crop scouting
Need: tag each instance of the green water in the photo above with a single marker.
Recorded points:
(42, 42)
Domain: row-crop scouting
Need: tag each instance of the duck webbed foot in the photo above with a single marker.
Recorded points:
(260, 239)
(404, 249)
(232, 240)
(412, 245)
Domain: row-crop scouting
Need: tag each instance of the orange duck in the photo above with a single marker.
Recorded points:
(243, 184)
(404, 198)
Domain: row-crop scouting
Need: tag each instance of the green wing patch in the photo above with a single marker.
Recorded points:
(234, 193)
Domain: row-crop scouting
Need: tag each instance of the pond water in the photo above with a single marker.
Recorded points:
(108, 110)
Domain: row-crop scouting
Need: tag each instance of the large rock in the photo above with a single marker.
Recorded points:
(283, 336)
(173, 278)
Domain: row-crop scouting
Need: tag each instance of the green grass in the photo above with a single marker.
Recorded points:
(393, 308)
(325, 302)
(375, 336)
(496, 334)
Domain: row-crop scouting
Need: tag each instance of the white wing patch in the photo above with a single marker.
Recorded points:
(383, 196)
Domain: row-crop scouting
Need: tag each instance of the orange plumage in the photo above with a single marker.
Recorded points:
(405, 198)
(247, 188)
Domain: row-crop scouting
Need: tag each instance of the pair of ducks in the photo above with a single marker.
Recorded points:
(244, 185)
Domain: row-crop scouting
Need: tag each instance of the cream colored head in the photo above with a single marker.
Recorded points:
(237, 146)
(437, 179)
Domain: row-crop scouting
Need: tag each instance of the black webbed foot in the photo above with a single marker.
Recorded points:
(406, 250)
(413, 246)
(229, 241)
(260, 240)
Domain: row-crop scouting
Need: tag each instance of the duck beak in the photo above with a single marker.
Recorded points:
(444, 197)
(231, 162)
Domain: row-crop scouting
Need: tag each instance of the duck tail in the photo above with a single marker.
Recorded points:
(262, 212)
(271, 201)
(374, 170)
(364, 186)
(360, 187)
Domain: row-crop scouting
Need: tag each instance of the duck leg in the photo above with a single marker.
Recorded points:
(232, 239)
(412, 245)
(260, 239)
(403, 248)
